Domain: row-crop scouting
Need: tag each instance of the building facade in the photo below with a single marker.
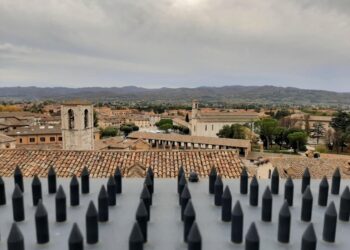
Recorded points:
(210, 123)
(7, 142)
(77, 126)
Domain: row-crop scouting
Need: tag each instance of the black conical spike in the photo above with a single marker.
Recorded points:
(18, 204)
(76, 240)
(193, 177)
(226, 205)
(218, 190)
(151, 174)
(118, 176)
(18, 177)
(289, 191)
(61, 205)
(85, 181)
(244, 182)
(284, 220)
(142, 218)
(266, 210)
(180, 173)
(344, 207)
(146, 197)
(74, 191)
(181, 184)
(91, 220)
(254, 192)
(185, 197)
(103, 213)
(305, 180)
(306, 205)
(149, 184)
(194, 238)
(2, 192)
(136, 239)
(51, 180)
(189, 218)
(15, 240)
(336, 178)
(275, 181)
(36, 190)
(237, 223)
(309, 239)
(330, 223)
(252, 239)
(323, 192)
(212, 178)
(112, 191)
(41, 224)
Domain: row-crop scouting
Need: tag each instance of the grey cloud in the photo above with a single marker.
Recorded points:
(175, 43)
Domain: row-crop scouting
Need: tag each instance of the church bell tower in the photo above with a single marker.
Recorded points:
(77, 125)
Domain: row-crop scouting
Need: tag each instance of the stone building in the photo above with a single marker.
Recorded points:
(7, 141)
(210, 123)
(77, 125)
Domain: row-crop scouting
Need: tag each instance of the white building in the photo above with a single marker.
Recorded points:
(210, 123)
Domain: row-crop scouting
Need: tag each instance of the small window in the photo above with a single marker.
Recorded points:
(20, 140)
(7, 145)
(52, 139)
(42, 139)
(86, 118)
(212, 127)
(70, 119)
(60, 138)
(32, 139)
(206, 127)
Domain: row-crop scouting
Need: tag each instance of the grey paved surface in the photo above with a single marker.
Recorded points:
(165, 230)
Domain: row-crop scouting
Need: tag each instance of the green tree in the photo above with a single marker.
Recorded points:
(235, 131)
(109, 132)
(341, 121)
(297, 140)
(128, 128)
(164, 121)
(280, 136)
(281, 113)
(266, 129)
(341, 125)
(318, 131)
(166, 127)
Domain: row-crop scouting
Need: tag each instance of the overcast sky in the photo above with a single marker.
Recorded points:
(175, 43)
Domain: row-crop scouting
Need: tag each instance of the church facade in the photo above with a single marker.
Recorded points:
(210, 123)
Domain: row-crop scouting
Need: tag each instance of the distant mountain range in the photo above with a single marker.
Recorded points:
(226, 94)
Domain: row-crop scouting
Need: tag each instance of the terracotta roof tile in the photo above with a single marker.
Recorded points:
(103, 163)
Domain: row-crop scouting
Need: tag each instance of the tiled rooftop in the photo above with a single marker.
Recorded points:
(132, 163)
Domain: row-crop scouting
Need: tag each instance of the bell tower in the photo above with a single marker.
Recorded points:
(195, 105)
(77, 125)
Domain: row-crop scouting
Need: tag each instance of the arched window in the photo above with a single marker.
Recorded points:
(70, 119)
(86, 118)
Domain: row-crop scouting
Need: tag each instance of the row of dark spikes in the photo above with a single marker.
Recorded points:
(105, 198)
(192, 235)
(309, 240)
